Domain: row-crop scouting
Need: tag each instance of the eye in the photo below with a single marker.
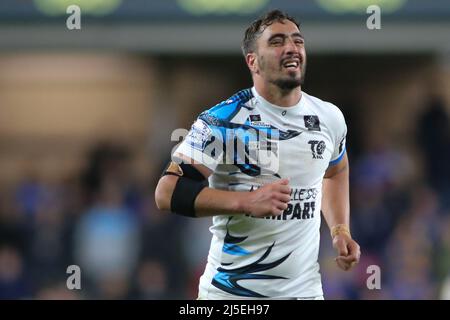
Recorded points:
(299, 41)
(276, 41)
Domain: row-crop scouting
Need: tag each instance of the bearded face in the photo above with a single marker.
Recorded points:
(280, 56)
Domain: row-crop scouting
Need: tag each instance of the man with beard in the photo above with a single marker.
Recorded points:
(259, 163)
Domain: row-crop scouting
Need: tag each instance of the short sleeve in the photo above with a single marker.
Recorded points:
(340, 135)
(203, 144)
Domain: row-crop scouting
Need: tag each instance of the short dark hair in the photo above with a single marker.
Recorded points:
(258, 26)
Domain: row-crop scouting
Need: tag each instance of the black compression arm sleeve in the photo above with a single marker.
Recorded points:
(184, 195)
(190, 183)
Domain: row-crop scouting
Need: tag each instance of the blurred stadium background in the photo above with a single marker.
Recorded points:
(86, 117)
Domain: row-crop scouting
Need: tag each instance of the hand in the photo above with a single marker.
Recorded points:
(269, 200)
(348, 251)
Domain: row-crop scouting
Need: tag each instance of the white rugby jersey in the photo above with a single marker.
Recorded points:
(247, 142)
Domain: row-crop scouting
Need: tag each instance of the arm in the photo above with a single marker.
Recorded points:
(271, 199)
(336, 210)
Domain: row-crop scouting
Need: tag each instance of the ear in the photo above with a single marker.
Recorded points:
(252, 62)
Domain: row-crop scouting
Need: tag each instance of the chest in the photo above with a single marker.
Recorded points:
(305, 158)
(281, 148)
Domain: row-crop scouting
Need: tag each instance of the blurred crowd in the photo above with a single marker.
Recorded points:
(400, 215)
(102, 220)
(105, 221)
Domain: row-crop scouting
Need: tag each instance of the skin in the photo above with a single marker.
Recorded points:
(278, 45)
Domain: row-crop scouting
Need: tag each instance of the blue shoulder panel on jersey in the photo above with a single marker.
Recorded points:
(227, 109)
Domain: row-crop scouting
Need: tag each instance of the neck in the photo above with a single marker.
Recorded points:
(277, 96)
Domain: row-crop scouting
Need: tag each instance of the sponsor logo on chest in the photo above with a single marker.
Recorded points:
(317, 148)
(255, 120)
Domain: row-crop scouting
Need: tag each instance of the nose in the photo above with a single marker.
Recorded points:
(291, 47)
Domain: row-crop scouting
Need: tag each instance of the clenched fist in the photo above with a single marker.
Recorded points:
(269, 200)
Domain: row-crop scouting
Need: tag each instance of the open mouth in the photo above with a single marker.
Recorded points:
(291, 64)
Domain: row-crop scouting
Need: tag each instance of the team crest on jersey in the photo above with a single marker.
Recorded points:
(312, 123)
(198, 135)
(317, 148)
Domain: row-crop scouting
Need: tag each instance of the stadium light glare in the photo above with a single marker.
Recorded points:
(94, 7)
(359, 6)
(222, 7)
